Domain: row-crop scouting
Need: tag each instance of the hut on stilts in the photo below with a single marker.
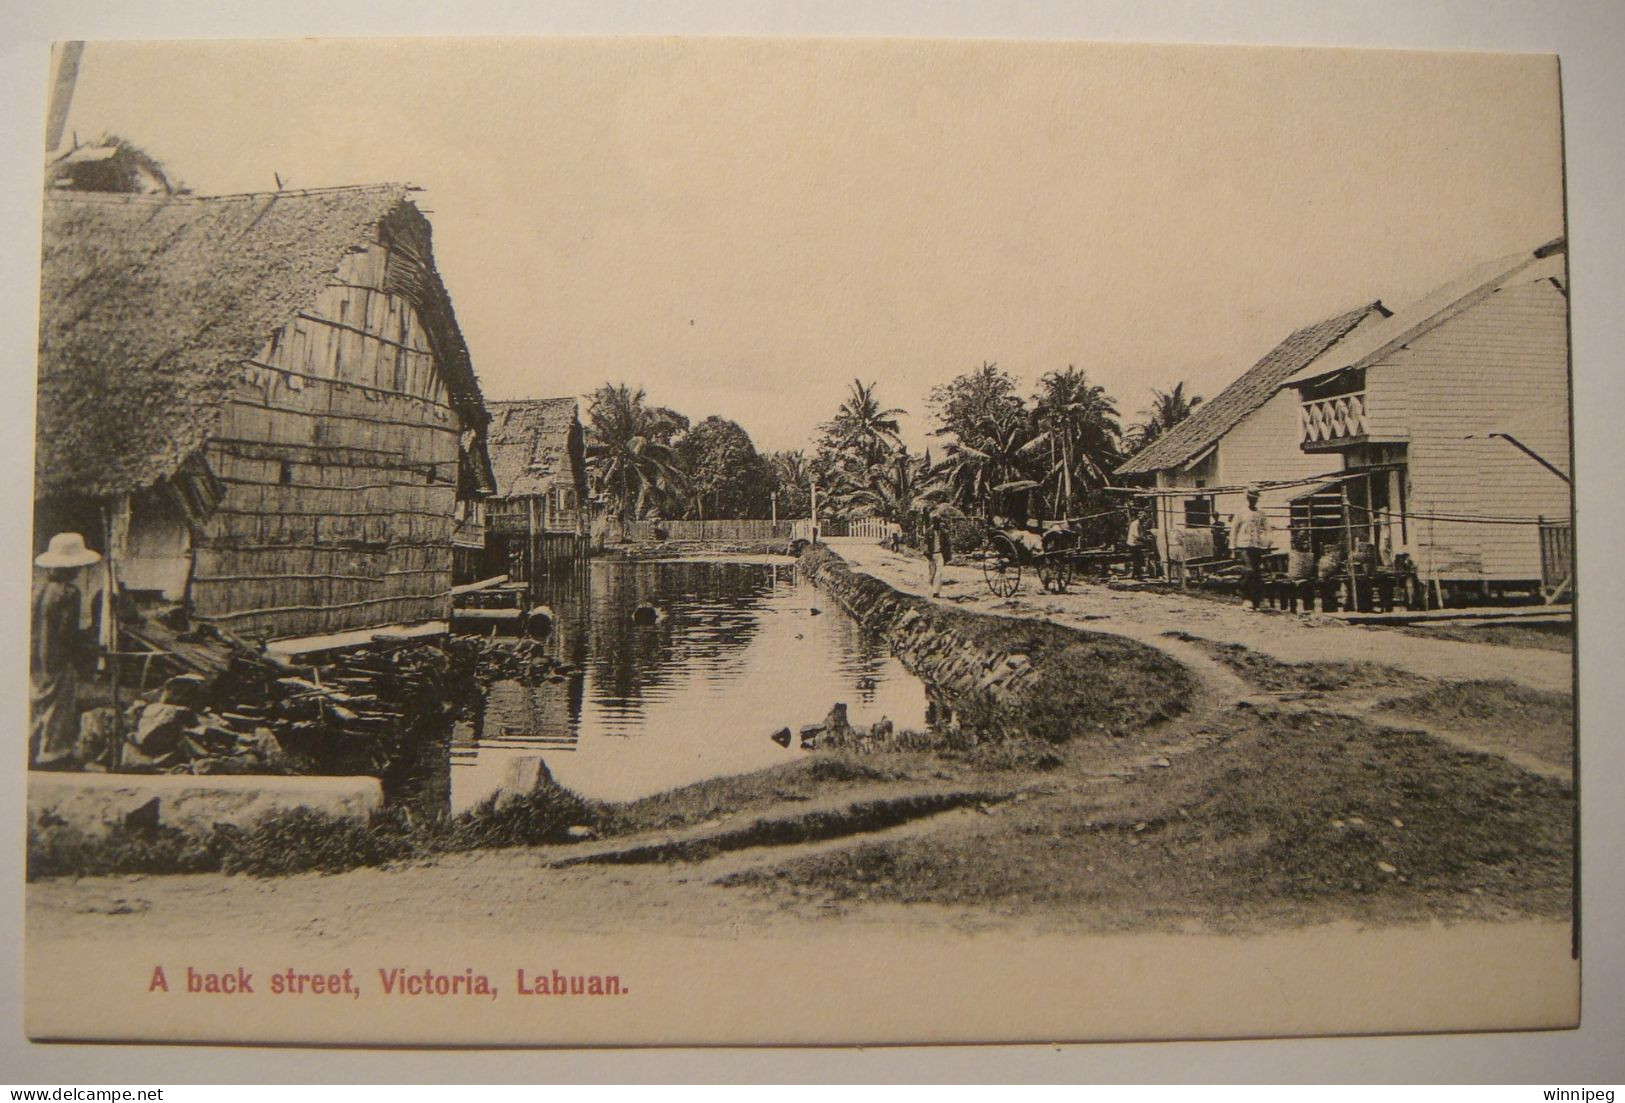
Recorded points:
(260, 407)
(538, 513)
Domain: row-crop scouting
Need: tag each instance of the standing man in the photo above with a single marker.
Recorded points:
(54, 653)
(1131, 540)
(1252, 540)
(938, 549)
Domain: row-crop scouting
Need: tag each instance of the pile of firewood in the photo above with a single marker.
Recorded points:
(351, 715)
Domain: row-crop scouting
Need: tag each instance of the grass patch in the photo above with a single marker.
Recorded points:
(1307, 817)
(812, 826)
(1275, 676)
(1545, 637)
(303, 841)
(817, 773)
(61, 850)
(1506, 715)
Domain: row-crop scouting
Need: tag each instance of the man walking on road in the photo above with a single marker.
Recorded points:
(938, 549)
(1252, 541)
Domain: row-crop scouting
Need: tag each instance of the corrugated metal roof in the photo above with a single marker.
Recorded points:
(1214, 418)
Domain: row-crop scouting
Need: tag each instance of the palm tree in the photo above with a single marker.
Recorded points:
(793, 476)
(990, 459)
(862, 428)
(1168, 409)
(629, 452)
(791, 468)
(892, 491)
(1078, 422)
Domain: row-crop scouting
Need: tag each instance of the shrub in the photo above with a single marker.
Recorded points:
(542, 816)
(61, 850)
(302, 841)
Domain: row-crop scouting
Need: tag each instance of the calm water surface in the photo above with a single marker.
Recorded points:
(739, 653)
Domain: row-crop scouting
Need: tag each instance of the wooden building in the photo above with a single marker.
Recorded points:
(1451, 420)
(260, 405)
(1245, 434)
(538, 515)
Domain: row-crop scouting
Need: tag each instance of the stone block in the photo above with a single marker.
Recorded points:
(92, 802)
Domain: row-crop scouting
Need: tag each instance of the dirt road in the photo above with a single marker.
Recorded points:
(1514, 702)
(1150, 616)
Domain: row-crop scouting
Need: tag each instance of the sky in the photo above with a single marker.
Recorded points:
(744, 226)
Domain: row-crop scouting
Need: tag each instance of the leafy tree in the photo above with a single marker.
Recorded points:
(726, 476)
(113, 164)
(992, 439)
(987, 462)
(968, 403)
(630, 455)
(892, 491)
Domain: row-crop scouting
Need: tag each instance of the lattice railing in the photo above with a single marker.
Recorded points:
(1335, 418)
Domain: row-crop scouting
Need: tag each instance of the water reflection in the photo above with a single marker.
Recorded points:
(740, 650)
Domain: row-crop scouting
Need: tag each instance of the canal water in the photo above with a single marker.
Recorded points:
(739, 651)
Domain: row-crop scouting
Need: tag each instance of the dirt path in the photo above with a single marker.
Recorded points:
(1187, 628)
(1148, 617)
(485, 894)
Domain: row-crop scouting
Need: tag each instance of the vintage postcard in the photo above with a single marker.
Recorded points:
(555, 542)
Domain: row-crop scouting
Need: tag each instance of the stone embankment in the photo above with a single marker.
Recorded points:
(1010, 677)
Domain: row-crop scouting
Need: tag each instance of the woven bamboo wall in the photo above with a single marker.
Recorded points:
(340, 455)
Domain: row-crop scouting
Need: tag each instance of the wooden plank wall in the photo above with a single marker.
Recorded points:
(340, 454)
(1500, 365)
(1263, 447)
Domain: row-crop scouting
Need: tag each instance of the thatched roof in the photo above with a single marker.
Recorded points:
(535, 446)
(148, 304)
(1214, 418)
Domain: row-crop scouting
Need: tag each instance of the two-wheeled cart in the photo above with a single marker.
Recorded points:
(1054, 555)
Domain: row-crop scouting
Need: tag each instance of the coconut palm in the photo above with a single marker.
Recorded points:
(862, 429)
(791, 468)
(629, 452)
(892, 491)
(1078, 423)
(990, 459)
(1168, 409)
(792, 476)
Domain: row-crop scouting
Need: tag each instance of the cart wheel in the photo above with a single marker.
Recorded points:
(1001, 566)
(1056, 575)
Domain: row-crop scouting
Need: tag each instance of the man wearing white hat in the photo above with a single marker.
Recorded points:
(1252, 540)
(54, 677)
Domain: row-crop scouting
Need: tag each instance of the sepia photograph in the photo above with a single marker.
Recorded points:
(782, 541)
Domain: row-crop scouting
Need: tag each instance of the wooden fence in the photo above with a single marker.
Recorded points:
(1556, 558)
(711, 532)
(759, 531)
(872, 528)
